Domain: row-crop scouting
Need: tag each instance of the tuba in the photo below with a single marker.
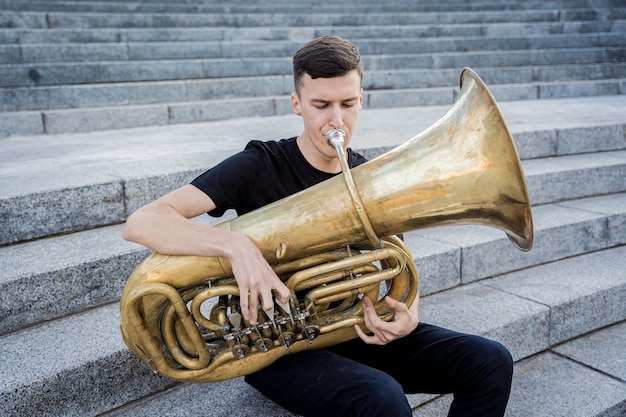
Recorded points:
(332, 244)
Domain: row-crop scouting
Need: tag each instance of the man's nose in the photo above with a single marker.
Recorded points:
(336, 118)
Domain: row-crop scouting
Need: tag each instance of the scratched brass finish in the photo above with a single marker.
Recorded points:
(180, 314)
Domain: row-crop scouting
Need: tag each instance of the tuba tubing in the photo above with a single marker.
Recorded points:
(323, 242)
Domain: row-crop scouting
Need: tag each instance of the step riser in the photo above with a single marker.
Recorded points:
(63, 20)
(105, 385)
(47, 36)
(191, 50)
(572, 288)
(610, 205)
(44, 290)
(86, 348)
(508, 92)
(58, 212)
(101, 118)
(80, 96)
(559, 295)
(560, 142)
(574, 183)
(107, 72)
(191, 7)
(560, 232)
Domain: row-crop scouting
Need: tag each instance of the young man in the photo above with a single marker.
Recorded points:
(368, 376)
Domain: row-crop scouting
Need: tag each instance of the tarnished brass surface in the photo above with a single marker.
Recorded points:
(462, 170)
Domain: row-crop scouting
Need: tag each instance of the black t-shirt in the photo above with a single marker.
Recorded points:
(262, 173)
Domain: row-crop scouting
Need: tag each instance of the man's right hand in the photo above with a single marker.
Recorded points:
(255, 278)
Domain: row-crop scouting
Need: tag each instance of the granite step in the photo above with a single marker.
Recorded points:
(64, 196)
(530, 311)
(107, 199)
(578, 380)
(115, 172)
(150, 92)
(115, 89)
(51, 278)
(301, 17)
(117, 51)
(59, 121)
(584, 367)
(207, 6)
(66, 73)
(112, 35)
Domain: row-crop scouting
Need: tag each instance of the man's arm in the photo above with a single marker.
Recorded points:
(164, 227)
(164, 224)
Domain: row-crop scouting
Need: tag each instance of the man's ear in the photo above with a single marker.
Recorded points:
(295, 104)
(361, 99)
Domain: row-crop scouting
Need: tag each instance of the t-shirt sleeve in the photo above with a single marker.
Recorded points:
(230, 182)
(355, 159)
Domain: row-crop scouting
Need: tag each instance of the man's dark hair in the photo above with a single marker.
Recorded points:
(326, 57)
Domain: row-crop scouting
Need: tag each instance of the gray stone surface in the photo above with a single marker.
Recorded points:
(261, 19)
(569, 177)
(27, 216)
(437, 407)
(84, 348)
(375, 130)
(190, 112)
(141, 191)
(27, 123)
(524, 52)
(48, 278)
(612, 205)
(242, 400)
(22, 98)
(549, 385)
(573, 141)
(580, 89)
(536, 143)
(602, 350)
(116, 161)
(558, 233)
(438, 263)
(425, 64)
(572, 288)
(148, 34)
(100, 118)
(520, 324)
(569, 284)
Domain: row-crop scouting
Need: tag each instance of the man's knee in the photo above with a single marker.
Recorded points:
(383, 399)
(486, 382)
(501, 361)
(493, 368)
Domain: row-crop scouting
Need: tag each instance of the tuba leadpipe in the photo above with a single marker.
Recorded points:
(332, 244)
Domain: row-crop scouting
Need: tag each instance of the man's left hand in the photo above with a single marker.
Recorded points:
(405, 320)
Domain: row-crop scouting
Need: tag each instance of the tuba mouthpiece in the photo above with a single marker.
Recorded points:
(336, 138)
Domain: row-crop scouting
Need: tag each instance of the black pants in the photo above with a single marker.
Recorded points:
(356, 379)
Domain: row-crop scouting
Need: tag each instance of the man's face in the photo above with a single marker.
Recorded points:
(325, 104)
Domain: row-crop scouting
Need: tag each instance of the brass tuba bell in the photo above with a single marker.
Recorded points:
(180, 314)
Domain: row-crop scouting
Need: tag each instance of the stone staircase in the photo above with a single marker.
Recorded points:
(85, 65)
(97, 101)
